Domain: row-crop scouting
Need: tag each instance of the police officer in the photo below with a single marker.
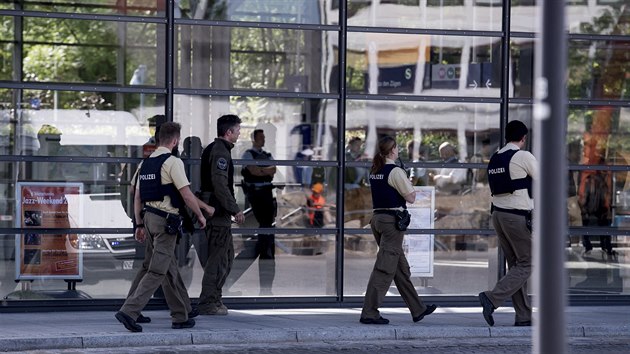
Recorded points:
(258, 189)
(161, 190)
(391, 188)
(217, 187)
(510, 174)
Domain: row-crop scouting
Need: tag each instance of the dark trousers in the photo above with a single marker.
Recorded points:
(391, 264)
(605, 241)
(262, 246)
(516, 243)
(217, 267)
(161, 269)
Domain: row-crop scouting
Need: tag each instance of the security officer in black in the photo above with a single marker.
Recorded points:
(161, 190)
(217, 187)
(258, 189)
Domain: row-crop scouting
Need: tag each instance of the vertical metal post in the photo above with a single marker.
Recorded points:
(550, 214)
(505, 102)
(170, 59)
(341, 157)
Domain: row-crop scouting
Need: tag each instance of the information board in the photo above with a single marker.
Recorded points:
(44, 205)
(419, 247)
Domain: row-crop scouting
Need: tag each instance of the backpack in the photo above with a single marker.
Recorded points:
(595, 189)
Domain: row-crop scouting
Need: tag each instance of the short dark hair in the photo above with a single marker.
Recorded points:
(168, 132)
(515, 131)
(227, 122)
(256, 132)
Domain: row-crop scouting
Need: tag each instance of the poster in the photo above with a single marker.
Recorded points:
(419, 247)
(43, 205)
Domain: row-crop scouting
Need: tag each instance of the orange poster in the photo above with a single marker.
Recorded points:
(40, 255)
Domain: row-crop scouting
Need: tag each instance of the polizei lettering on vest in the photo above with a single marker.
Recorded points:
(494, 171)
(378, 176)
(149, 176)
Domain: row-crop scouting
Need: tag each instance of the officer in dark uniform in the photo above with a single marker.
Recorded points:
(391, 188)
(510, 174)
(217, 187)
(161, 190)
(258, 189)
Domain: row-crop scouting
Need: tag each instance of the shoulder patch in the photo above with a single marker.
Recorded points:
(222, 164)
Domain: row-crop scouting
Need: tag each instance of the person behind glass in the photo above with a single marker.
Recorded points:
(162, 189)
(510, 175)
(259, 192)
(448, 179)
(417, 175)
(217, 189)
(391, 189)
(595, 199)
(315, 204)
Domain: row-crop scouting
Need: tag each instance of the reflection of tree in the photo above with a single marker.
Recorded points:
(608, 78)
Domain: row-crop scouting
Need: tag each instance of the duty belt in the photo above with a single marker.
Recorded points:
(511, 211)
(158, 212)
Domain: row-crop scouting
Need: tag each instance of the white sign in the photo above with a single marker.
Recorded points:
(419, 247)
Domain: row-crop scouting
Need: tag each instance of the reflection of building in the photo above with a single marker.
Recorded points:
(413, 69)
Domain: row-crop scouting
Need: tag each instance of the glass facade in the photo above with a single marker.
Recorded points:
(83, 85)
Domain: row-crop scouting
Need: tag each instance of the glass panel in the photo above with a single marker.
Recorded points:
(304, 266)
(462, 265)
(87, 125)
(600, 17)
(6, 50)
(380, 63)
(523, 16)
(481, 15)
(306, 203)
(465, 125)
(93, 51)
(597, 271)
(522, 69)
(127, 7)
(255, 58)
(601, 134)
(283, 11)
(6, 23)
(599, 70)
(290, 125)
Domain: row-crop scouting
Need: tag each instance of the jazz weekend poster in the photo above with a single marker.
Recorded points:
(41, 206)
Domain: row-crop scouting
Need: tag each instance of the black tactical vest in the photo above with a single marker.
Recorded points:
(248, 176)
(499, 175)
(150, 179)
(385, 196)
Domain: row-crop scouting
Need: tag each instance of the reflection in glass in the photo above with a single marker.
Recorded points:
(127, 7)
(93, 51)
(382, 63)
(283, 11)
(291, 125)
(464, 125)
(602, 133)
(463, 264)
(304, 266)
(89, 126)
(434, 14)
(253, 58)
(582, 16)
(305, 197)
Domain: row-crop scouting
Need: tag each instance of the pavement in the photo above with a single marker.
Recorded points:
(83, 330)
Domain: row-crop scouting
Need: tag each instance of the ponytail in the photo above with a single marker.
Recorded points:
(385, 146)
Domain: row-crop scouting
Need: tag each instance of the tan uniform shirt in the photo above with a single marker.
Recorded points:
(398, 179)
(172, 172)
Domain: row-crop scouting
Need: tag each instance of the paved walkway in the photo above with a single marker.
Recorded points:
(68, 330)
